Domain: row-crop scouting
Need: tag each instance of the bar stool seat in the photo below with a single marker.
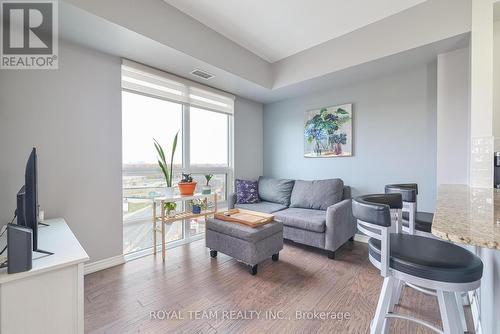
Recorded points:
(428, 265)
(423, 221)
(429, 258)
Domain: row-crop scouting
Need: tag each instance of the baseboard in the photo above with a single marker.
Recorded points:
(103, 264)
(361, 238)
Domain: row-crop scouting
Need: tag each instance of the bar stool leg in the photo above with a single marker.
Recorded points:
(449, 312)
(465, 299)
(395, 295)
(460, 305)
(399, 290)
(396, 292)
(383, 305)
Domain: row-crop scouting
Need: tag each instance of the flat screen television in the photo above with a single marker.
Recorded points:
(27, 200)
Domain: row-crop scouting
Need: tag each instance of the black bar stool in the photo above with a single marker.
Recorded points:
(419, 223)
(428, 263)
(414, 222)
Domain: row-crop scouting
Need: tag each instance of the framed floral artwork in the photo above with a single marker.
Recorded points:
(328, 132)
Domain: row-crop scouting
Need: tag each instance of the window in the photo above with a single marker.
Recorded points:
(209, 138)
(157, 105)
(144, 118)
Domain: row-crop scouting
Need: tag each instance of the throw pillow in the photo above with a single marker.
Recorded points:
(246, 192)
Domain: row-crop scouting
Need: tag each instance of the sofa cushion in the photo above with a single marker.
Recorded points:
(265, 207)
(318, 194)
(305, 219)
(275, 190)
(246, 192)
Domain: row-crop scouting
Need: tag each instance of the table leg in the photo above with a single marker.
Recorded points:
(215, 200)
(206, 208)
(154, 227)
(163, 232)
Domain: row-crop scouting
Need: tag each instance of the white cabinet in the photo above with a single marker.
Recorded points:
(48, 298)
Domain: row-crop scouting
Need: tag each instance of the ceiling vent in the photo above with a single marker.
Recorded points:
(202, 74)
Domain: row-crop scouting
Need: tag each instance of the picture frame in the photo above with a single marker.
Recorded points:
(328, 132)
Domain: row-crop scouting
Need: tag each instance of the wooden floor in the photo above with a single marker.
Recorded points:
(121, 299)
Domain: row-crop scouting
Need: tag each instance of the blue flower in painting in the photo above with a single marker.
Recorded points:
(313, 132)
(331, 118)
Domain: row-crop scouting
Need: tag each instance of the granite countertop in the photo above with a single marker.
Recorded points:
(468, 215)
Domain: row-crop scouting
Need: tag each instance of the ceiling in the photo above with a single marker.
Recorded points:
(96, 24)
(274, 29)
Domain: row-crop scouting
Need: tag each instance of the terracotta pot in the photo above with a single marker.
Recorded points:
(337, 149)
(187, 188)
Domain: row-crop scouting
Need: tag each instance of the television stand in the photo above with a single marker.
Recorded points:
(24, 304)
(43, 251)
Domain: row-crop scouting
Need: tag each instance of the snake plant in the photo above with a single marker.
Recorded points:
(162, 161)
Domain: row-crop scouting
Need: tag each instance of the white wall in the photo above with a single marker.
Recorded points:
(73, 116)
(481, 69)
(394, 134)
(496, 84)
(453, 133)
(248, 137)
(481, 94)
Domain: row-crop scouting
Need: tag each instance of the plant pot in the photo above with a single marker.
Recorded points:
(171, 213)
(196, 209)
(187, 188)
(169, 192)
(337, 149)
(206, 190)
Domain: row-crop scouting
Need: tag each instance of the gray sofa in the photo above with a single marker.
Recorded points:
(315, 213)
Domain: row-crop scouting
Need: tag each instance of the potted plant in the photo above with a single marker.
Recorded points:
(165, 168)
(187, 185)
(170, 208)
(198, 205)
(338, 140)
(207, 189)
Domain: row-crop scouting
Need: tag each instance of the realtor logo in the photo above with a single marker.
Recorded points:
(29, 35)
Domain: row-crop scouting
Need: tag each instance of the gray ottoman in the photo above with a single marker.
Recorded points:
(246, 244)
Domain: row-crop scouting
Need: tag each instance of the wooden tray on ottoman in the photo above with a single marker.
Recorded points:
(245, 217)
